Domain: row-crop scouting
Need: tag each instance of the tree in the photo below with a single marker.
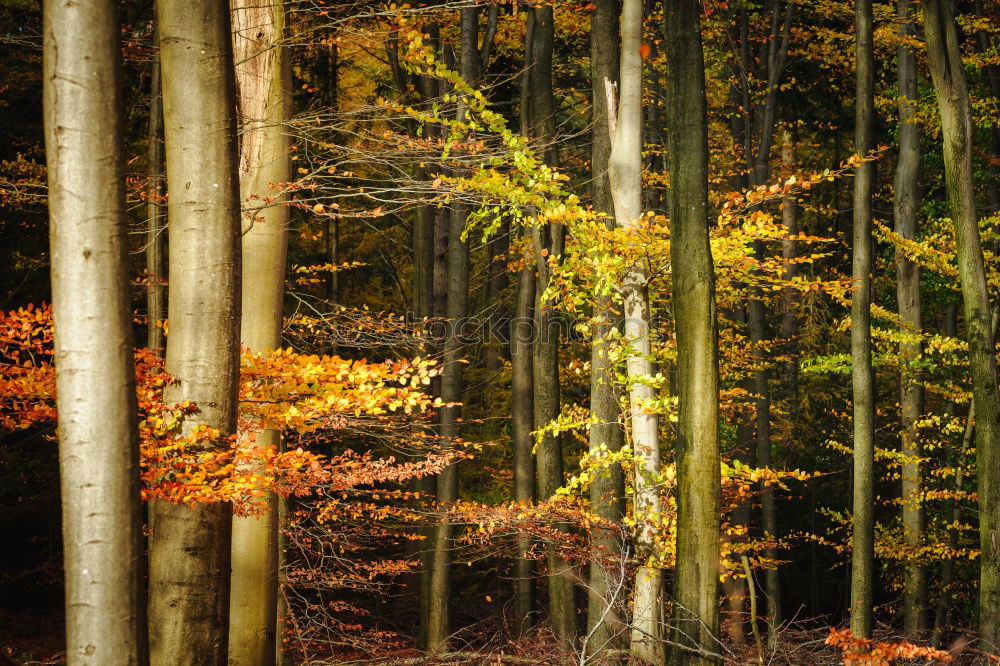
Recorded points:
(950, 87)
(155, 264)
(907, 199)
(697, 449)
(862, 378)
(95, 378)
(548, 240)
(263, 83)
(607, 490)
(624, 167)
(456, 310)
(190, 547)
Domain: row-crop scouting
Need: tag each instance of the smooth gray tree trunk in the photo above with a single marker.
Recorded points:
(95, 374)
(190, 545)
(263, 82)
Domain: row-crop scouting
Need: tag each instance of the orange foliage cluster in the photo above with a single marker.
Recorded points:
(867, 652)
(284, 390)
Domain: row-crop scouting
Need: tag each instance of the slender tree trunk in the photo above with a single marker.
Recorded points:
(331, 225)
(789, 297)
(522, 423)
(522, 398)
(155, 265)
(456, 310)
(625, 166)
(429, 253)
(607, 489)
(945, 63)
(863, 554)
(697, 451)
(548, 241)
(263, 79)
(907, 200)
(95, 373)
(190, 556)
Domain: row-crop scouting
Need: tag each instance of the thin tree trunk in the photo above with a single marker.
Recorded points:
(331, 225)
(760, 123)
(263, 79)
(607, 489)
(697, 451)
(945, 63)
(548, 241)
(522, 423)
(907, 200)
(95, 374)
(155, 265)
(456, 309)
(863, 553)
(789, 297)
(625, 166)
(430, 247)
(190, 547)
(522, 398)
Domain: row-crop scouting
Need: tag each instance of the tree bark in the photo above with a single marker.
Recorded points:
(863, 553)
(522, 423)
(790, 298)
(190, 547)
(906, 203)
(95, 374)
(456, 310)
(263, 80)
(697, 450)
(607, 489)
(548, 242)
(945, 63)
(625, 169)
(155, 264)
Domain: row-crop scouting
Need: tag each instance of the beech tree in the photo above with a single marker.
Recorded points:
(263, 84)
(95, 377)
(908, 294)
(951, 89)
(624, 167)
(696, 611)
(190, 544)
(607, 490)
(862, 377)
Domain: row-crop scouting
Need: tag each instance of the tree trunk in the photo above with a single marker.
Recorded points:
(456, 310)
(863, 553)
(789, 297)
(95, 374)
(190, 556)
(907, 200)
(697, 450)
(522, 423)
(625, 166)
(945, 63)
(548, 241)
(155, 265)
(263, 79)
(607, 489)
(522, 383)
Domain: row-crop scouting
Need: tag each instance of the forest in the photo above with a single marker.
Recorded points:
(593, 332)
